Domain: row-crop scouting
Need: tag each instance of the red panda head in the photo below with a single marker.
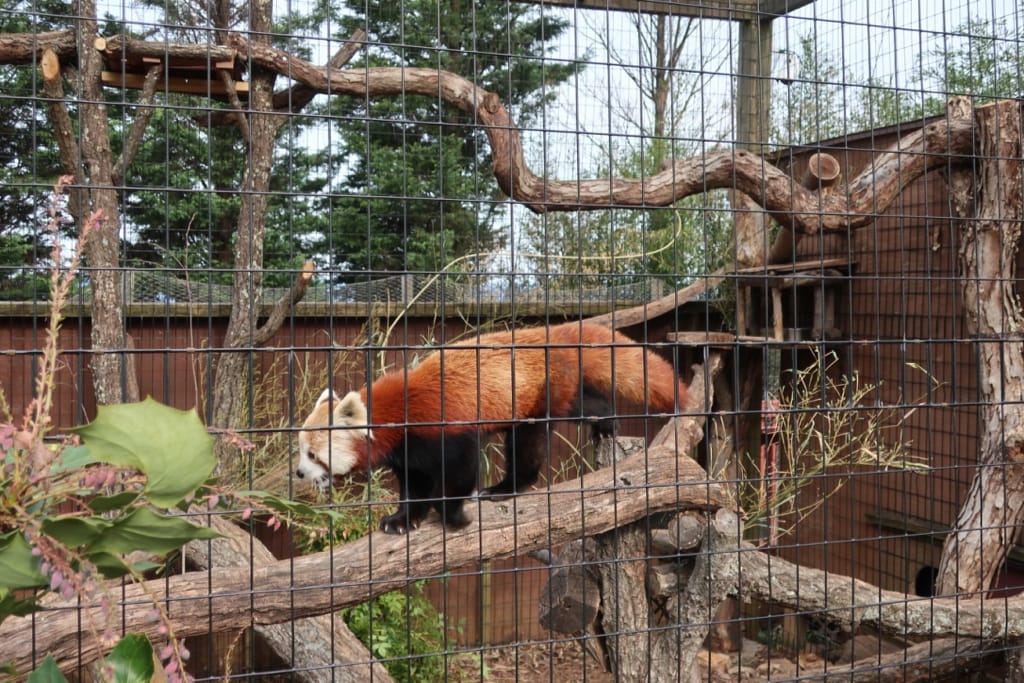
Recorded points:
(327, 444)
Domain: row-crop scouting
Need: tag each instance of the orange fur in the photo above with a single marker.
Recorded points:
(494, 379)
(425, 422)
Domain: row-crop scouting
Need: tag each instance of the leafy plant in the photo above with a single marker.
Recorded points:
(403, 630)
(94, 506)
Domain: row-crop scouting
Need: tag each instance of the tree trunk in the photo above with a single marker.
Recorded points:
(232, 375)
(991, 207)
(113, 370)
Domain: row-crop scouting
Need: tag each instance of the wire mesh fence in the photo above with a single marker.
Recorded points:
(511, 340)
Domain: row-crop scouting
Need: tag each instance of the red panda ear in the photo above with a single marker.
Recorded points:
(351, 410)
(327, 394)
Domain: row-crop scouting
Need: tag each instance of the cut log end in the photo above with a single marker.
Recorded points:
(50, 66)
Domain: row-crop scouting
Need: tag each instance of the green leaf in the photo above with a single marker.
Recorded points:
(148, 531)
(170, 446)
(132, 660)
(118, 501)
(72, 458)
(48, 672)
(109, 565)
(13, 606)
(18, 567)
(75, 531)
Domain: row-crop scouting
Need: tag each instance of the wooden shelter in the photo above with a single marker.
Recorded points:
(896, 320)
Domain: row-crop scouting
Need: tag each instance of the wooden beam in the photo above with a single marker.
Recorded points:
(730, 10)
(195, 86)
(734, 10)
(778, 8)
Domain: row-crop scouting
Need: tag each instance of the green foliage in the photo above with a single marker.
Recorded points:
(812, 104)
(131, 661)
(404, 631)
(47, 672)
(171, 447)
(112, 516)
(19, 279)
(982, 59)
(72, 515)
(418, 191)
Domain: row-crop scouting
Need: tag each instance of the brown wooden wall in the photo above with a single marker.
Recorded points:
(901, 324)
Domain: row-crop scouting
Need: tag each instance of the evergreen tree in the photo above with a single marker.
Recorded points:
(417, 190)
(29, 165)
(981, 58)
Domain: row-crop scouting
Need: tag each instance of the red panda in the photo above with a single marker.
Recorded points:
(425, 422)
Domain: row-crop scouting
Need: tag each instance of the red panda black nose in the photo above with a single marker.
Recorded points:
(299, 474)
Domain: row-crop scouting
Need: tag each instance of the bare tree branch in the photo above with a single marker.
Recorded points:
(284, 305)
(936, 145)
(145, 113)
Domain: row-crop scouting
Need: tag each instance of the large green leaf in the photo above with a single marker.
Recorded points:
(18, 567)
(47, 672)
(118, 501)
(75, 531)
(170, 446)
(148, 531)
(70, 459)
(131, 660)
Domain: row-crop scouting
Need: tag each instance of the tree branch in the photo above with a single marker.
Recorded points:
(934, 146)
(63, 128)
(284, 305)
(321, 648)
(27, 48)
(145, 112)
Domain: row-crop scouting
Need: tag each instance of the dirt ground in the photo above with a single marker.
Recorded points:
(565, 662)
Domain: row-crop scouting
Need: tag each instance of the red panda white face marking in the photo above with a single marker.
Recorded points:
(326, 447)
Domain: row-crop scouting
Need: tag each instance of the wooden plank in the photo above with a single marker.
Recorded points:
(194, 86)
(732, 10)
(727, 340)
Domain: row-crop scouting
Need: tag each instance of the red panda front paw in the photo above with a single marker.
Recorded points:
(398, 523)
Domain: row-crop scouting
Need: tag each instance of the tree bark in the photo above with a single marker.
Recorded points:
(113, 366)
(990, 203)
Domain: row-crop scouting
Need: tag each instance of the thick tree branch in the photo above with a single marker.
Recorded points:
(856, 204)
(26, 48)
(299, 95)
(856, 602)
(320, 648)
(63, 127)
(867, 195)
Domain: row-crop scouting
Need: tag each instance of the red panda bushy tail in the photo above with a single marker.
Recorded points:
(616, 366)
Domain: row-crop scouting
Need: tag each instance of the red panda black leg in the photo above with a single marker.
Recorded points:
(524, 455)
(433, 473)
(416, 489)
